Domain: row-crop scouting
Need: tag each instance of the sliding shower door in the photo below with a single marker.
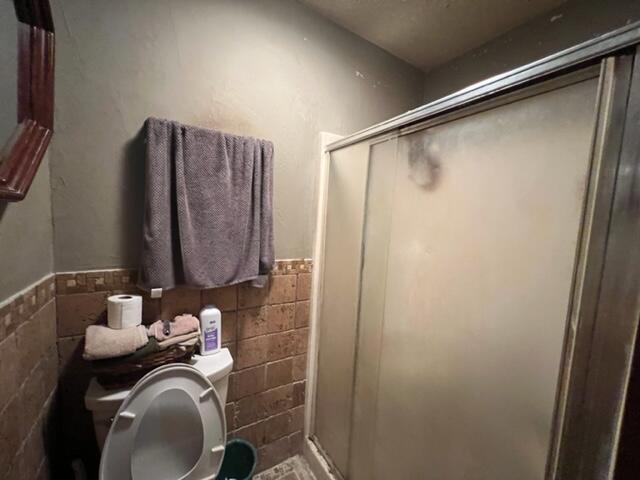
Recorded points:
(447, 285)
(484, 229)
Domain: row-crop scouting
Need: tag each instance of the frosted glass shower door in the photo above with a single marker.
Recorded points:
(482, 215)
(337, 328)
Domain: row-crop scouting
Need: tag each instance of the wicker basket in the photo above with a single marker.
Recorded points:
(128, 374)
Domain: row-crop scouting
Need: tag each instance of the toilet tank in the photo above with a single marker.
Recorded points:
(104, 404)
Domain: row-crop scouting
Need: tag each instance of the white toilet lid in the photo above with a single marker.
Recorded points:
(171, 426)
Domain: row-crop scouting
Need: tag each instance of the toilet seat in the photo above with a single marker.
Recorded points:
(171, 426)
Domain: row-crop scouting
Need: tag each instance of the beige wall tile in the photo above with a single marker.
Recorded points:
(9, 367)
(252, 322)
(299, 393)
(229, 412)
(282, 289)
(19, 313)
(300, 367)
(249, 296)
(280, 317)
(42, 295)
(259, 406)
(76, 312)
(224, 298)
(292, 266)
(249, 381)
(302, 314)
(8, 320)
(69, 351)
(279, 373)
(297, 418)
(178, 301)
(229, 326)
(35, 369)
(95, 281)
(48, 328)
(30, 302)
(233, 350)
(304, 287)
(251, 352)
(276, 400)
(28, 348)
(10, 433)
(231, 387)
(273, 453)
(295, 442)
(247, 411)
(50, 370)
(278, 426)
(62, 280)
(30, 456)
(253, 433)
(301, 340)
(281, 345)
(33, 396)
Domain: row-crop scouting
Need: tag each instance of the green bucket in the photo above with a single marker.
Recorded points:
(239, 463)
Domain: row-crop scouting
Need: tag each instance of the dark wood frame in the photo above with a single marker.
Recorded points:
(23, 152)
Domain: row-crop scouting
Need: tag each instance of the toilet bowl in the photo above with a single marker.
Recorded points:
(170, 425)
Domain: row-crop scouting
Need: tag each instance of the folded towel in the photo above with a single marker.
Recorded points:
(208, 208)
(134, 358)
(181, 325)
(104, 342)
(187, 339)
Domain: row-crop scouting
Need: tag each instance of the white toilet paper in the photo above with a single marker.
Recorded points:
(124, 311)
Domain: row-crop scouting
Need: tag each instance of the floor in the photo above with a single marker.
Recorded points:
(294, 468)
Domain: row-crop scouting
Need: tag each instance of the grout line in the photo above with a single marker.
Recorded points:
(41, 415)
(26, 379)
(42, 466)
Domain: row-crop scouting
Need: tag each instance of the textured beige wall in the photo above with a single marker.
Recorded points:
(265, 68)
(28, 381)
(568, 25)
(26, 237)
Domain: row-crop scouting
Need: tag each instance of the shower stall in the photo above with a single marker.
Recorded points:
(476, 290)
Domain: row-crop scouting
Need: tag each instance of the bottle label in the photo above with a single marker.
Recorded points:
(211, 339)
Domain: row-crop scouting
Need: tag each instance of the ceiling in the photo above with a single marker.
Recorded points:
(428, 33)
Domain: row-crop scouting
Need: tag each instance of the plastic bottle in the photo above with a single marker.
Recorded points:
(210, 330)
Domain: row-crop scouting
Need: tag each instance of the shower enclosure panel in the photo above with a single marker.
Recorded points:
(459, 286)
(483, 230)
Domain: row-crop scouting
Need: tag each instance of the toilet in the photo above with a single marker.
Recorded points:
(168, 426)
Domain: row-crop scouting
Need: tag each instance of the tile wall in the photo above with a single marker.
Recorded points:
(28, 379)
(266, 331)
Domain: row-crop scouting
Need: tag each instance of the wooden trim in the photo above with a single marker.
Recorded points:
(24, 150)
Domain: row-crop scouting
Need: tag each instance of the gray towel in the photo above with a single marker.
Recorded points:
(208, 209)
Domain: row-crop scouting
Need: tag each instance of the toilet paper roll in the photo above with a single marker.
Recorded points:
(124, 311)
